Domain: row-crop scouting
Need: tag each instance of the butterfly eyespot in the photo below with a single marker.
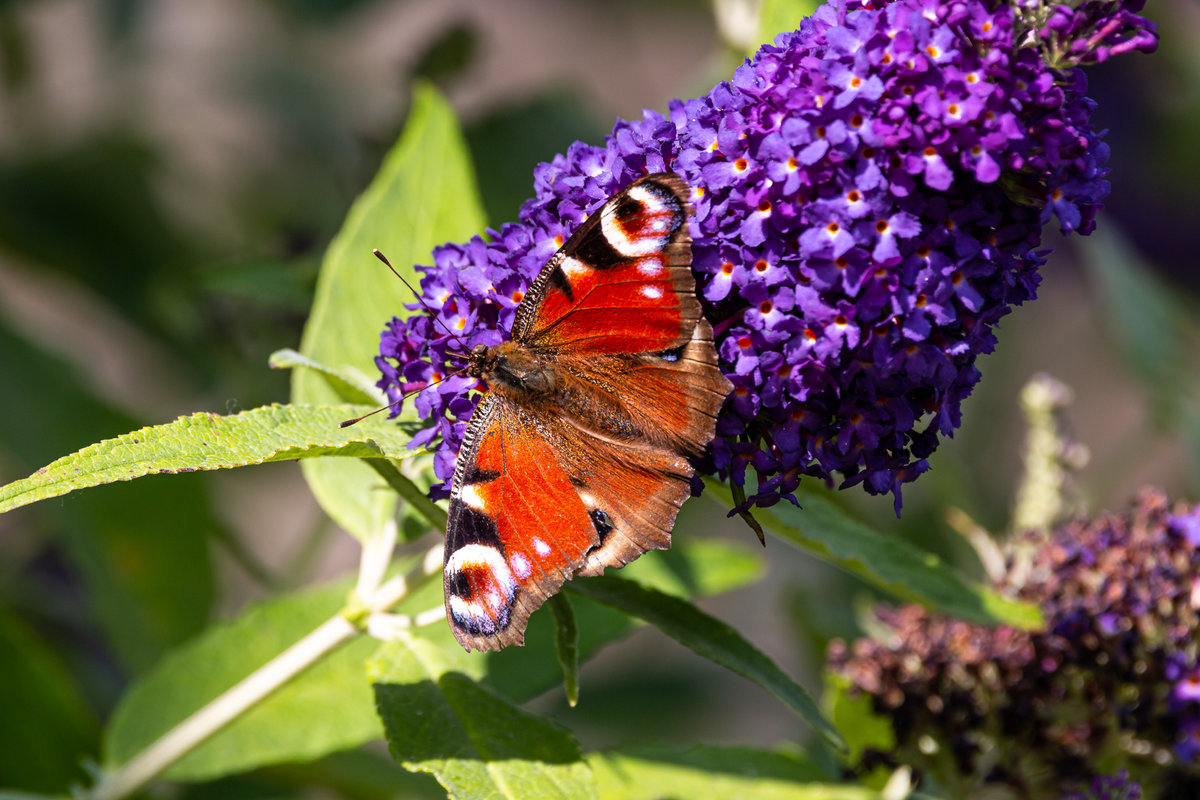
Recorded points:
(672, 355)
(480, 588)
(602, 523)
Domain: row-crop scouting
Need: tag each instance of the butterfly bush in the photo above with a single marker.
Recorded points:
(870, 192)
(1112, 680)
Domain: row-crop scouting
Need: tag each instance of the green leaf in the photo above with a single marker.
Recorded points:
(708, 637)
(474, 742)
(566, 643)
(692, 568)
(350, 387)
(699, 566)
(782, 16)
(210, 441)
(423, 195)
(363, 774)
(49, 725)
(858, 722)
(714, 773)
(1145, 317)
(888, 562)
(324, 709)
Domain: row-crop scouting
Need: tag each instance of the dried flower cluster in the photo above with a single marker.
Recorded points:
(1113, 680)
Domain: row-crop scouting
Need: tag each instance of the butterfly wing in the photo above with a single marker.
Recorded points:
(517, 527)
(617, 307)
(593, 474)
(623, 282)
(536, 502)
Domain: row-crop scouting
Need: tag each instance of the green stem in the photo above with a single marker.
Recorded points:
(409, 492)
(260, 684)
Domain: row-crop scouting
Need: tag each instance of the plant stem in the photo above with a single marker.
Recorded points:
(178, 741)
(223, 710)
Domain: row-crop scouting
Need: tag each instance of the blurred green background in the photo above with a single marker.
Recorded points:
(170, 173)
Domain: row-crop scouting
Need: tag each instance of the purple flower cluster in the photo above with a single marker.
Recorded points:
(1109, 787)
(1183, 668)
(1112, 681)
(870, 192)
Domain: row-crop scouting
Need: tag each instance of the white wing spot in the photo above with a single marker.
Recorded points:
(650, 266)
(520, 565)
(470, 497)
(573, 267)
(541, 547)
(645, 195)
(653, 292)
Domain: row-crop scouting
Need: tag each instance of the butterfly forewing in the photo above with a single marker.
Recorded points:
(623, 283)
(578, 456)
(517, 526)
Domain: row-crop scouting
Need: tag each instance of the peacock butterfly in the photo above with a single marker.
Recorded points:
(578, 455)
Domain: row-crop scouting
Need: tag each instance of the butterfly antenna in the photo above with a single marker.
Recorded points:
(432, 314)
(348, 422)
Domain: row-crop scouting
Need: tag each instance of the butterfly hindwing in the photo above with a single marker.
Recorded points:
(580, 451)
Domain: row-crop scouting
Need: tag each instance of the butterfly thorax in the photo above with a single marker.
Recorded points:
(539, 382)
(513, 371)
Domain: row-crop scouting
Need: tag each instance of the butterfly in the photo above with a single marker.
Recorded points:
(579, 453)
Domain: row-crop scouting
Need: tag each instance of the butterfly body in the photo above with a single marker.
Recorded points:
(579, 453)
